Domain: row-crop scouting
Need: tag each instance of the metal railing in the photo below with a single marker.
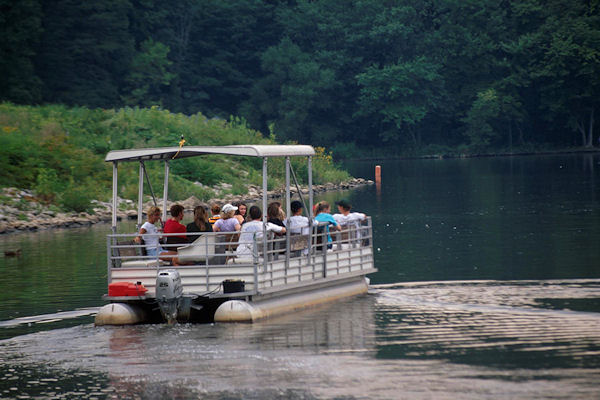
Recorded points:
(206, 259)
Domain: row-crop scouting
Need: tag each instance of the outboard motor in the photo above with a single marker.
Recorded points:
(169, 293)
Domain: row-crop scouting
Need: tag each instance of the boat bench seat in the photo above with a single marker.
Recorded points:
(147, 263)
(199, 250)
(132, 249)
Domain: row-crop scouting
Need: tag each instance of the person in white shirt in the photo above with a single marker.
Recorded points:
(251, 228)
(150, 235)
(345, 217)
(298, 223)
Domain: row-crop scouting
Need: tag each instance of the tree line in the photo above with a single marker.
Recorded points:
(402, 75)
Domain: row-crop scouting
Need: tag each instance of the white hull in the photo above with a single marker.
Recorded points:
(250, 311)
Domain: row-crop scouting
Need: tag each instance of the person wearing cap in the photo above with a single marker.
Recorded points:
(345, 217)
(227, 222)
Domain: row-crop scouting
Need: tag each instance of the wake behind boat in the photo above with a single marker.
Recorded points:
(213, 281)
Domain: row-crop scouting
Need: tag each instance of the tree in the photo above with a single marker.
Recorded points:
(295, 90)
(402, 94)
(563, 49)
(85, 51)
(148, 75)
(20, 29)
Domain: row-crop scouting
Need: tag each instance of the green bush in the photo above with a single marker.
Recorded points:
(76, 199)
(58, 152)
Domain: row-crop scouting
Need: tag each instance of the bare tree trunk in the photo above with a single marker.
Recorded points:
(510, 138)
(521, 139)
(590, 139)
(581, 130)
(413, 136)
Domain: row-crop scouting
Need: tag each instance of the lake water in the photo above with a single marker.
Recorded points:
(488, 288)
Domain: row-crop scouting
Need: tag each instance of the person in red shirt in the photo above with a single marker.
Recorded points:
(173, 225)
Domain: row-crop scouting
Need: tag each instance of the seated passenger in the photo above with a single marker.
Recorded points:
(323, 215)
(200, 223)
(345, 217)
(252, 227)
(215, 210)
(240, 213)
(173, 225)
(227, 222)
(149, 233)
(274, 215)
(298, 223)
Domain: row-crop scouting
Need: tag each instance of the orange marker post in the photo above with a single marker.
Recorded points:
(378, 174)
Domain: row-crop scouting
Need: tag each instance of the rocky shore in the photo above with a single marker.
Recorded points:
(20, 211)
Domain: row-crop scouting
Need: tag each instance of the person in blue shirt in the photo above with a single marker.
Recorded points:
(323, 215)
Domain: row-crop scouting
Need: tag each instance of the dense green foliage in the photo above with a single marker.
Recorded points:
(402, 75)
(59, 153)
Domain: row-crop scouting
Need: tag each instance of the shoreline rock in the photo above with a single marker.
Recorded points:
(23, 213)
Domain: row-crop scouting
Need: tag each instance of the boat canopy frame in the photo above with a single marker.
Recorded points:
(167, 154)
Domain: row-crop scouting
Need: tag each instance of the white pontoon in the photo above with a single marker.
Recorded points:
(281, 275)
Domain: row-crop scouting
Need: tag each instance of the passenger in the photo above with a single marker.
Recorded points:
(200, 223)
(350, 219)
(215, 210)
(298, 223)
(240, 213)
(227, 222)
(274, 214)
(323, 215)
(345, 217)
(252, 228)
(149, 234)
(173, 225)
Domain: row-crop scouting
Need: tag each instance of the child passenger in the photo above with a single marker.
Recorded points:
(215, 210)
(150, 234)
(323, 215)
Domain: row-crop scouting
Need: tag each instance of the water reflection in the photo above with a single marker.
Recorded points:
(498, 324)
(439, 339)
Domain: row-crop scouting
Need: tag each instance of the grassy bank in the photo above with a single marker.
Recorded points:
(58, 152)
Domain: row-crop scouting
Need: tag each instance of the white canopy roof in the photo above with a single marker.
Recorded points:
(164, 153)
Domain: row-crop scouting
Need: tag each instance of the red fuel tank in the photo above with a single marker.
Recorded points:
(118, 289)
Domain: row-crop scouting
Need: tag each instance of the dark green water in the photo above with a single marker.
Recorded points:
(488, 287)
(488, 218)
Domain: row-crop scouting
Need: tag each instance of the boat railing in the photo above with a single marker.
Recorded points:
(266, 264)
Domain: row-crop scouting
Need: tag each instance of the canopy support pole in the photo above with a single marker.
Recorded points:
(310, 211)
(114, 197)
(310, 189)
(264, 215)
(140, 198)
(288, 215)
(165, 191)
